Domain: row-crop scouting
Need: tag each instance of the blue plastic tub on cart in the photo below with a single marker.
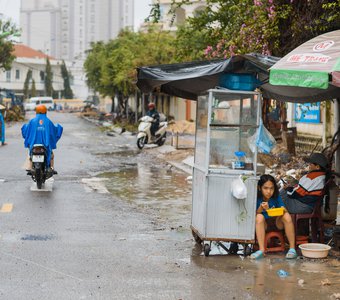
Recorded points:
(244, 82)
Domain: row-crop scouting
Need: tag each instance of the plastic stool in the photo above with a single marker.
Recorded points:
(268, 241)
(301, 239)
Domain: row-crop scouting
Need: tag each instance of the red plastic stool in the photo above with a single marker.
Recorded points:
(301, 239)
(269, 240)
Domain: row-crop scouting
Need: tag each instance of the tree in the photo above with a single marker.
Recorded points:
(271, 27)
(67, 92)
(48, 79)
(111, 68)
(33, 89)
(26, 83)
(7, 30)
(93, 65)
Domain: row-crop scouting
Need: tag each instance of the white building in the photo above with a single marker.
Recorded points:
(30, 59)
(185, 11)
(65, 28)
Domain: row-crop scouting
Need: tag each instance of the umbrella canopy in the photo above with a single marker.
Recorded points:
(311, 72)
(188, 80)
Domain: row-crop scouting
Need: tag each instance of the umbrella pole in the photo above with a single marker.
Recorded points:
(336, 127)
(324, 124)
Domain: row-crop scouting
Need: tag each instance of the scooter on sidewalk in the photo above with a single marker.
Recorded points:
(144, 135)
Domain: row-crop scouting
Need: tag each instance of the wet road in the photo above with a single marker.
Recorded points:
(116, 226)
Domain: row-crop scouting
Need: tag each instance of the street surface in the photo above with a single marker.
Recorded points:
(116, 225)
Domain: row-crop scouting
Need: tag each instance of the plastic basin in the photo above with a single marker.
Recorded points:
(275, 212)
(314, 250)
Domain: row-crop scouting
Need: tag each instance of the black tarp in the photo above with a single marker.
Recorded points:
(188, 80)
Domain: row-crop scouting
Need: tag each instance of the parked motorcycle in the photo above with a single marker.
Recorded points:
(40, 172)
(144, 132)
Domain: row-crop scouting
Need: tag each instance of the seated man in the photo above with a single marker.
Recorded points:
(41, 130)
(302, 197)
(153, 113)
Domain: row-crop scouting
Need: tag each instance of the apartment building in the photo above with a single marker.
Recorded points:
(65, 28)
(185, 11)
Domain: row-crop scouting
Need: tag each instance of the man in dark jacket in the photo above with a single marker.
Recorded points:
(302, 197)
(153, 113)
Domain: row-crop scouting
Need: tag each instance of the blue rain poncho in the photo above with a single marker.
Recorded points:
(41, 130)
(2, 129)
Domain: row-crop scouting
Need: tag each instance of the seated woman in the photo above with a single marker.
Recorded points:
(268, 197)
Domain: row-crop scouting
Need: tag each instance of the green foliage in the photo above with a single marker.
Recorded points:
(7, 30)
(111, 68)
(26, 84)
(227, 27)
(67, 92)
(155, 12)
(93, 64)
(48, 79)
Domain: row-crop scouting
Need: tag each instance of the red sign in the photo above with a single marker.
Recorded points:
(323, 46)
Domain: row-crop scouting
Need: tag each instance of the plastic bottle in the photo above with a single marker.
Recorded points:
(282, 273)
(239, 163)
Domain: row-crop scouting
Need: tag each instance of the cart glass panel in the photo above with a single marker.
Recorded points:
(201, 131)
(233, 122)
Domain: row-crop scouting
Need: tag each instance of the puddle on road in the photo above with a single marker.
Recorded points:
(155, 187)
(169, 193)
(124, 151)
(39, 237)
(263, 279)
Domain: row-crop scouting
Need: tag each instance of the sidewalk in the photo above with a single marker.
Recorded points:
(182, 159)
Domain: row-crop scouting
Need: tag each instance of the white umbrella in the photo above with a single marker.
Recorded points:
(309, 72)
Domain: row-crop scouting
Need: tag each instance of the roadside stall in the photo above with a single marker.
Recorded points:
(225, 155)
(224, 173)
(225, 166)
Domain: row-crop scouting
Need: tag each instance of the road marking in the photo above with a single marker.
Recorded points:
(6, 207)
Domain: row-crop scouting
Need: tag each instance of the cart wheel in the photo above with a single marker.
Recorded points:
(206, 249)
(233, 248)
(196, 237)
(246, 250)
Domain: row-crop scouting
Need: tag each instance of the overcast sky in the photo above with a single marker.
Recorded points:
(11, 9)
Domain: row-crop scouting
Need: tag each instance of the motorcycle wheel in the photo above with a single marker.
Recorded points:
(140, 143)
(38, 178)
(162, 140)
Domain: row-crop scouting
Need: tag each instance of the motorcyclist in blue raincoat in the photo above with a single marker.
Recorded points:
(41, 130)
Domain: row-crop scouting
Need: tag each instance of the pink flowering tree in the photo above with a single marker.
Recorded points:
(272, 27)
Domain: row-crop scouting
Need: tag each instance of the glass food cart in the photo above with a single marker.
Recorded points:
(226, 120)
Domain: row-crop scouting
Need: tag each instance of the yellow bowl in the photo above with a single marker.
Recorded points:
(275, 212)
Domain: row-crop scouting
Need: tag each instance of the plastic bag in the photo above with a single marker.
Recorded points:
(238, 188)
(262, 139)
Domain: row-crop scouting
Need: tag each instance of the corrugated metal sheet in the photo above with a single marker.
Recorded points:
(217, 214)
(198, 218)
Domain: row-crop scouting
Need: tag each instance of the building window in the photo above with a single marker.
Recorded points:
(17, 74)
(8, 76)
(42, 76)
